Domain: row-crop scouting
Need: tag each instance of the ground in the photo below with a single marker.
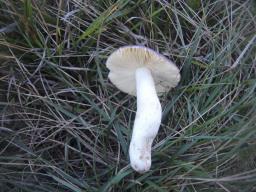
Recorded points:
(66, 127)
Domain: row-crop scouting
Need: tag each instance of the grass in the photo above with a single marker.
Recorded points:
(65, 127)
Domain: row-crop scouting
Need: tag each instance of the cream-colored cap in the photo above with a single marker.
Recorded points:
(123, 63)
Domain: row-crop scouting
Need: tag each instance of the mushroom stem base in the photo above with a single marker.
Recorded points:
(147, 121)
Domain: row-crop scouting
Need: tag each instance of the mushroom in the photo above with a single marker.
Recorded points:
(144, 73)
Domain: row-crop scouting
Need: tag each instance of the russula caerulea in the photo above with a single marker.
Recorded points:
(144, 73)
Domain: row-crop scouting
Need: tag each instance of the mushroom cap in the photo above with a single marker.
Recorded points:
(123, 63)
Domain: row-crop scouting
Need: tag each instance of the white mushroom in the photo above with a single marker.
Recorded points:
(144, 73)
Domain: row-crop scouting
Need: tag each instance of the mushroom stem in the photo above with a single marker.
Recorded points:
(147, 121)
